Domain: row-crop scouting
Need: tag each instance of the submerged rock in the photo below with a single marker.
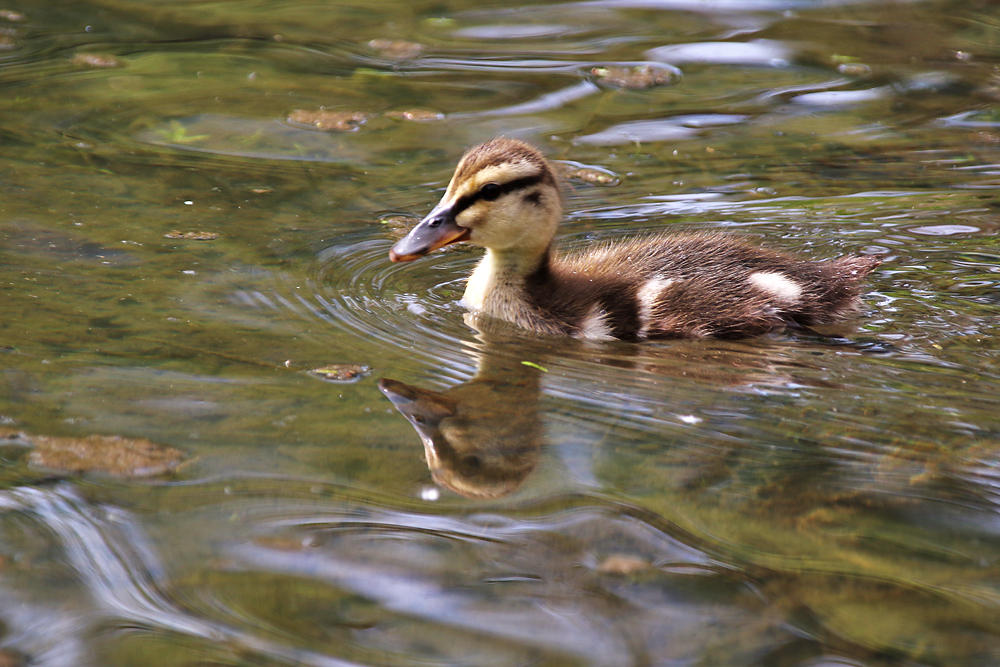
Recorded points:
(590, 175)
(326, 120)
(419, 115)
(594, 177)
(96, 61)
(106, 454)
(341, 373)
(623, 564)
(857, 70)
(396, 49)
(635, 78)
(10, 436)
(192, 236)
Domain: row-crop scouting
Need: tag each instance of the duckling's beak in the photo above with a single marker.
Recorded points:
(435, 231)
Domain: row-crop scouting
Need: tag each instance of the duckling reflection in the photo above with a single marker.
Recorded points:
(481, 438)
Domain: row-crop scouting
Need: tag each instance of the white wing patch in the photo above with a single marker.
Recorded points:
(778, 285)
(647, 296)
(594, 326)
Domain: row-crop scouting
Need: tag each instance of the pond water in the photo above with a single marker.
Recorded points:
(198, 199)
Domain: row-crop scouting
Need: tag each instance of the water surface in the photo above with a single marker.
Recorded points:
(178, 250)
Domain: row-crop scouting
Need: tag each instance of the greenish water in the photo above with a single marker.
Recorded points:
(789, 501)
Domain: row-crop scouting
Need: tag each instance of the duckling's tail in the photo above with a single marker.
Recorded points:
(839, 289)
(857, 266)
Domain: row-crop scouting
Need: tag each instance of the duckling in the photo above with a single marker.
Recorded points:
(504, 196)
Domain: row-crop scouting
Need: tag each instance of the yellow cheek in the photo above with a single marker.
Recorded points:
(471, 217)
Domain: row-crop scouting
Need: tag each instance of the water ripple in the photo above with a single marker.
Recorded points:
(402, 307)
(117, 564)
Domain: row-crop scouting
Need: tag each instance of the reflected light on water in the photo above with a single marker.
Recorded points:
(109, 554)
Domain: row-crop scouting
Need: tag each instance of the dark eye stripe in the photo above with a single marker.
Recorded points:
(468, 200)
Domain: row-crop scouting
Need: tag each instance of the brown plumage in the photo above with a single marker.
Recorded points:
(504, 196)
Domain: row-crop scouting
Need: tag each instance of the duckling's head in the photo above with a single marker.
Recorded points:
(504, 197)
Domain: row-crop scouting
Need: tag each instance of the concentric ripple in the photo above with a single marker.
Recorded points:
(410, 308)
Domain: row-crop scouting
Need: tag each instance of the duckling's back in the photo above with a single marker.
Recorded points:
(693, 286)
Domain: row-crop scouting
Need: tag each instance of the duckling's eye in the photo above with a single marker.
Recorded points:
(490, 191)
